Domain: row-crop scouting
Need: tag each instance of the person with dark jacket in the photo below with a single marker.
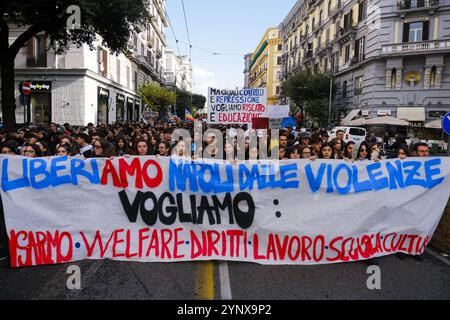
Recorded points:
(83, 142)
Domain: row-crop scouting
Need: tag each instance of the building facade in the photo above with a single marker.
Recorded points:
(386, 57)
(82, 85)
(266, 65)
(178, 71)
(247, 58)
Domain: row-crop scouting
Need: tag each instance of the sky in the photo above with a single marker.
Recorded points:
(231, 28)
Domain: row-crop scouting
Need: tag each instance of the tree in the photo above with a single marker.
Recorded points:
(156, 97)
(110, 19)
(310, 92)
(187, 100)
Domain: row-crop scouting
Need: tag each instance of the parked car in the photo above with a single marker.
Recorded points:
(354, 134)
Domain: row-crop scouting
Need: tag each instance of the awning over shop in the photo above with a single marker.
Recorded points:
(387, 121)
(412, 114)
(350, 117)
(435, 124)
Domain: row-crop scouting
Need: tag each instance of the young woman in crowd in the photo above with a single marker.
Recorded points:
(63, 150)
(336, 144)
(363, 152)
(164, 149)
(326, 151)
(122, 147)
(306, 152)
(229, 153)
(103, 149)
(281, 153)
(296, 153)
(9, 148)
(402, 153)
(154, 143)
(140, 147)
(31, 151)
(349, 150)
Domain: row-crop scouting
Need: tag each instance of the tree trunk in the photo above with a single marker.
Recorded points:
(8, 97)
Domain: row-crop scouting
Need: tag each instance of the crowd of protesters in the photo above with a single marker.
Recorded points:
(141, 139)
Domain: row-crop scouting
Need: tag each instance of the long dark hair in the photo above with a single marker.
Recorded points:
(108, 150)
(366, 145)
(326, 144)
(346, 154)
(126, 146)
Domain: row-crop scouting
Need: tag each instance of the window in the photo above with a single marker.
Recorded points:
(357, 132)
(102, 60)
(329, 8)
(347, 53)
(348, 20)
(279, 61)
(128, 77)
(433, 76)
(344, 89)
(359, 49)
(415, 31)
(358, 85)
(362, 11)
(278, 90)
(280, 47)
(394, 78)
(118, 70)
(37, 52)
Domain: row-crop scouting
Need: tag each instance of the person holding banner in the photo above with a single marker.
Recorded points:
(103, 149)
(164, 149)
(140, 147)
(9, 148)
(122, 147)
(83, 141)
(326, 151)
(336, 144)
(31, 151)
(348, 151)
(363, 152)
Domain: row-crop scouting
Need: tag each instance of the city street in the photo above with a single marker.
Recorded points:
(103, 279)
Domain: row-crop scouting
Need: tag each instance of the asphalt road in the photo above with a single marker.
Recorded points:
(104, 279)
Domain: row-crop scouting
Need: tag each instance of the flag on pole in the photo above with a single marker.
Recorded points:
(188, 116)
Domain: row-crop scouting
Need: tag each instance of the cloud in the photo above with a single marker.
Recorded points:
(203, 79)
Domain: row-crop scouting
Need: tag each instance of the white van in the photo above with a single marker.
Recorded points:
(354, 134)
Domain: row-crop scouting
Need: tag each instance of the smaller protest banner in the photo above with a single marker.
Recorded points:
(278, 111)
(236, 106)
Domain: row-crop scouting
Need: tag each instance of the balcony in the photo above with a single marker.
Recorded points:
(158, 53)
(323, 49)
(335, 10)
(150, 42)
(345, 34)
(417, 5)
(416, 47)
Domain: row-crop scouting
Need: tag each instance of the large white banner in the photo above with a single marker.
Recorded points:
(236, 106)
(150, 209)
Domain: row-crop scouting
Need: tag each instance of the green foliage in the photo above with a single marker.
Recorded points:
(156, 97)
(112, 20)
(309, 92)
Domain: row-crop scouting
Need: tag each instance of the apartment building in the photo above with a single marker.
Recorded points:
(386, 57)
(83, 85)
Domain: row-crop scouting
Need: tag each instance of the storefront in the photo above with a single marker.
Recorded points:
(137, 110)
(103, 106)
(39, 109)
(416, 118)
(120, 107)
(130, 106)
